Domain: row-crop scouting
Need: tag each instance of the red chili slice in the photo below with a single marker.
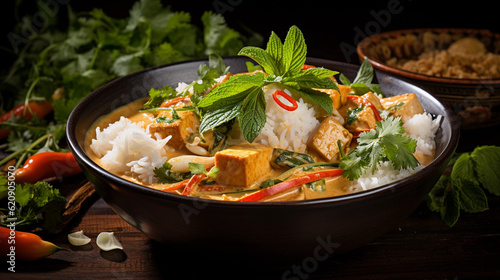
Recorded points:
(283, 94)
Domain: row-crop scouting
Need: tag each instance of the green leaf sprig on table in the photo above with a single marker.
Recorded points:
(241, 97)
(34, 205)
(462, 188)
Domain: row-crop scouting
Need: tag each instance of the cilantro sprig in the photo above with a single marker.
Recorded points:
(384, 143)
(241, 97)
(36, 205)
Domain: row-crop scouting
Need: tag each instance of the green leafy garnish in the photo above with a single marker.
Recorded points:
(36, 205)
(462, 189)
(385, 143)
(242, 97)
(166, 176)
(363, 81)
(198, 168)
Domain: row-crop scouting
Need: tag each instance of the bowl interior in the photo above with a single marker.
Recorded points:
(137, 85)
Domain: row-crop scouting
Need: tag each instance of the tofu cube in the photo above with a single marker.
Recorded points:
(410, 107)
(366, 119)
(242, 165)
(180, 129)
(324, 140)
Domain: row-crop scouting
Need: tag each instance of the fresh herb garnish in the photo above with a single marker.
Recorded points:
(36, 205)
(385, 143)
(462, 189)
(166, 176)
(363, 81)
(242, 97)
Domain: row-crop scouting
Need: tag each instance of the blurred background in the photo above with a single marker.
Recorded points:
(332, 28)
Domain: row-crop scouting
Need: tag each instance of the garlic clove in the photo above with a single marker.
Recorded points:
(78, 238)
(107, 241)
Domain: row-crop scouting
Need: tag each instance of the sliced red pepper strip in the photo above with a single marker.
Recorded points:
(307, 178)
(192, 183)
(174, 186)
(290, 99)
(364, 101)
(173, 101)
(307, 66)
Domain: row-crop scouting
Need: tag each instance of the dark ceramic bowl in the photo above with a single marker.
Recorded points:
(274, 230)
(475, 101)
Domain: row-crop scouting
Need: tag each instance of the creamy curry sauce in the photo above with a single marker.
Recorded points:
(334, 186)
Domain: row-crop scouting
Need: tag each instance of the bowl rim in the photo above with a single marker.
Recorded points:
(364, 44)
(84, 159)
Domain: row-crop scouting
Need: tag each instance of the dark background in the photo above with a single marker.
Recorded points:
(331, 28)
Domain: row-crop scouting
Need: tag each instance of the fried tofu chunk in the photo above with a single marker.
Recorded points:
(338, 98)
(365, 117)
(324, 140)
(404, 106)
(242, 165)
(180, 128)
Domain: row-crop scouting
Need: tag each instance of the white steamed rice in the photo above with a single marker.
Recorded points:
(126, 147)
(288, 130)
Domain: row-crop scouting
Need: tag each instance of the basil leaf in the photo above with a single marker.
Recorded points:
(365, 73)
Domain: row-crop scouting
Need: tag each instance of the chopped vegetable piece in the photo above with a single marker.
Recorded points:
(307, 178)
(78, 238)
(290, 99)
(192, 183)
(107, 241)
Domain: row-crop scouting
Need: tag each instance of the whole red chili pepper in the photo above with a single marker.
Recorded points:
(40, 109)
(18, 245)
(47, 165)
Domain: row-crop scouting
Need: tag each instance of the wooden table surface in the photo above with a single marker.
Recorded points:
(421, 247)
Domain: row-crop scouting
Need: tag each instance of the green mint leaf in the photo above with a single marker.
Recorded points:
(253, 114)
(463, 169)
(344, 80)
(235, 88)
(313, 78)
(450, 211)
(275, 50)
(365, 73)
(318, 97)
(472, 197)
(294, 52)
(264, 59)
(215, 117)
(487, 161)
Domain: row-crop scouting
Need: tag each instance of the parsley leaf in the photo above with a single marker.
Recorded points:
(384, 143)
